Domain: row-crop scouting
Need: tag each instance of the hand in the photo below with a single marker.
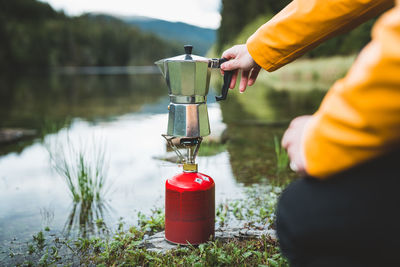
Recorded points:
(291, 141)
(240, 59)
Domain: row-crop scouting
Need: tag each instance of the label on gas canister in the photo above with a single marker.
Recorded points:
(198, 180)
(205, 178)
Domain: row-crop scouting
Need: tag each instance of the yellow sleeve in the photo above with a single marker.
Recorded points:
(359, 118)
(303, 24)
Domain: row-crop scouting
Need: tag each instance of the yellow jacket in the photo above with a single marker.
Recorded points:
(359, 118)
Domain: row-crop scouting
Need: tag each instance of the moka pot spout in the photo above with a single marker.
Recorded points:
(161, 67)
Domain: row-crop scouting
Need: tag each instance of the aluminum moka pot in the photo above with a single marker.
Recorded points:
(188, 80)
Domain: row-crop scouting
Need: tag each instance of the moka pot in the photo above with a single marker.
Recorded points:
(188, 80)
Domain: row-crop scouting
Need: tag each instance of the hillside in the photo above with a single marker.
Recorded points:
(36, 37)
(201, 38)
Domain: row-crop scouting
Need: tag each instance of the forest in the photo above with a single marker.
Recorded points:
(237, 14)
(36, 37)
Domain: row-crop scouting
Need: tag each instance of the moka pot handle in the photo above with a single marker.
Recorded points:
(227, 81)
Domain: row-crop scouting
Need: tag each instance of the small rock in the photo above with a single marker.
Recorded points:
(157, 242)
(8, 135)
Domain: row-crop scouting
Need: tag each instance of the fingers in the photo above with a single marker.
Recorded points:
(291, 141)
(243, 81)
(290, 133)
(230, 53)
(253, 76)
(286, 138)
(232, 64)
(233, 80)
(239, 59)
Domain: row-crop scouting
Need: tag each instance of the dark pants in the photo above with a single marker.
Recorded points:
(352, 219)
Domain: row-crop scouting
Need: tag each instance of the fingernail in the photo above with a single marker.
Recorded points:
(223, 66)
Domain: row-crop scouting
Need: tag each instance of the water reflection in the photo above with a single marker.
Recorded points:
(267, 106)
(47, 214)
(254, 119)
(108, 70)
(34, 102)
(87, 219)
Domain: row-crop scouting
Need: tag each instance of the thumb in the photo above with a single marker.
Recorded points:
(232, 64)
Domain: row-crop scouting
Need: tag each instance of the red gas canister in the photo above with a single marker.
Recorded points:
(189, 208)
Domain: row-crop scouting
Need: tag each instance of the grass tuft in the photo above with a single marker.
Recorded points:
(282, 157)
(84, 168)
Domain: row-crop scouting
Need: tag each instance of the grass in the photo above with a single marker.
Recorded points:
(125, 247)
(83, 168)
(211, 148)
(282, 157)
(257, 208)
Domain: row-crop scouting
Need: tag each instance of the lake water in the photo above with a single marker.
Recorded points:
(128, 117)
(128, 114)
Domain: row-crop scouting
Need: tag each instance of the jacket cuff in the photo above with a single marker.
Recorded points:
(259, 56)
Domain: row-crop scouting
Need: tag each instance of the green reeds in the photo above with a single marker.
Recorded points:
(83, 168)
(282, 158)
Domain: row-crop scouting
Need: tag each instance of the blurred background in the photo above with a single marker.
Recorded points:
(40, 35)
(79, 93)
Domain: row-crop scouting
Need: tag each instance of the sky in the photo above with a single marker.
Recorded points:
(203, 13)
